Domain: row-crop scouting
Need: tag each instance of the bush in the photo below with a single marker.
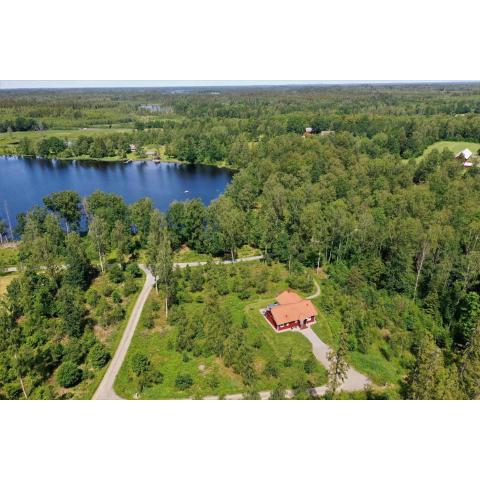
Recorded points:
(69, 375)
(98, 356)
(288, 360)
(147, 320)
(278, 393)
(244, 294)
(116, 297)
(134, 270)
(196, 280)
(155, 305)
(115, 273)
(309, 365)
(300, 281)
(107, 290)
(271, 369)
(155, 377)
(183, 381)
(261, 285)
(74, 351)
(140, 364)
(130, 287)
(92, 296)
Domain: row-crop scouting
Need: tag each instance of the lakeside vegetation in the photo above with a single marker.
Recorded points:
(397, 235)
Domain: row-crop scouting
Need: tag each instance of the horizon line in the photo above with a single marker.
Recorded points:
(96, 84)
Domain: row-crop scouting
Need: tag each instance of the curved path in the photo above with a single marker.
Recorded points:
(105, 390)
(355, 380)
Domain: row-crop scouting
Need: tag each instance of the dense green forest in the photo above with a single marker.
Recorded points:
(398, 237)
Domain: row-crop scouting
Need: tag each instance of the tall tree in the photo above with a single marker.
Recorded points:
(159, 254)
(230, 222)
(98, 231)
(66, 205)
(337, 372)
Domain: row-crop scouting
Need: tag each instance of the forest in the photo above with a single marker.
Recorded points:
(396, 235)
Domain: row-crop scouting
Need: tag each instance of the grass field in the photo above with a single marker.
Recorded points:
(185, 255)
(158, 344)
(5, 280)
(8, 257)
(455, 147)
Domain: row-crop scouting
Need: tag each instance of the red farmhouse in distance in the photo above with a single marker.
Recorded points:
(290, 311)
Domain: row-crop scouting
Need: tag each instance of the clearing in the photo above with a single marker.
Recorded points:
(455, 147)
(156, 338)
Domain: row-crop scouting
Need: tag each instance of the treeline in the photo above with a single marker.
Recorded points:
(114, 145)
(21, 124)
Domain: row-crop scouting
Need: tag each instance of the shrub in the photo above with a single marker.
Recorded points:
(271, 369)
(92, 296)
(185, 357)
(134, 270)
(115, 273)
(140, 364)
(155, 377)
(155, 305)
(115, 315)
(107, 290)
(212, 380)
(309, 365)
(300, 281)
(116, 297)
(130, 287)
(183, 381)
(288, 360)
(98, 356)
(261, 285)
(244, 294)
(147, 320)
(278, 393)
(196, 280)
(74, 351)
(69, 375)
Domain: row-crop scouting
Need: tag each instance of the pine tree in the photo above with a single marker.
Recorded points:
(469, 370)
(424, 380)
(338, 370)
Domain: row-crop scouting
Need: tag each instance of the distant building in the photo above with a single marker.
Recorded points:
(308, 130)
(290, 311)
(464, 155)
(133, 148)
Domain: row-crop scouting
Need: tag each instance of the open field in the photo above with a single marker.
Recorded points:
(455, 147)
(5, 280)
(8, 257)
(209, 373)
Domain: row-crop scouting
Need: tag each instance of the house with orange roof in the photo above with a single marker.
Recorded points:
(290, 311)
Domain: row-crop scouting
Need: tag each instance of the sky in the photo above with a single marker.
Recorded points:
(8, 84)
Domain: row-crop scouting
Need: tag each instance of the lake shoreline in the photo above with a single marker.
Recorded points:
(124, 161)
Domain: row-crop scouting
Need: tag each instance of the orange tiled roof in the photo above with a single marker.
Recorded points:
(292, 307)
(288, 296)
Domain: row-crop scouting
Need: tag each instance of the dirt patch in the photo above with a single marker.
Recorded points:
(9, 245)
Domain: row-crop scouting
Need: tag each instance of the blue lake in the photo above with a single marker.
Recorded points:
(25, 181)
